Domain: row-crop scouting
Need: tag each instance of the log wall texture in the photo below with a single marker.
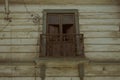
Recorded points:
(19, 43)
(100, 25)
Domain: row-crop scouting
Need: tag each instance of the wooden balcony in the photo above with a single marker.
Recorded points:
(61, 45)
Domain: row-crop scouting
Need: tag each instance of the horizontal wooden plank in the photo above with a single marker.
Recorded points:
(20, 78)
(26, 34)
(100, 21)
(65, 2)
(20, 28)
(60, 78)
(95, 15)
(38, 78)
(22, 15)
(82, 8)
(102, 48)
(102, 69)
(101, 34)
(19, 35)
(102, 41)
(98, 28)
(17, 70)
(57, 71)
(5, 49)
(65, 78)
(102, 78)
(19, 41)
(6, 57)
(18, 22)
(4, 35)
(18, 49)
(103, 56)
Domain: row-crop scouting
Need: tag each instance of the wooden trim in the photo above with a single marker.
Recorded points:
(74, 11)
(81, 71)
(60, 10)
(44, 31)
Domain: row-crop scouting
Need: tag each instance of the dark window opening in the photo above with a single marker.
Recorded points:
(66, 28)
(61, 34)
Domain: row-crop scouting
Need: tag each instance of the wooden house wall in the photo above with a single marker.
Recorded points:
(19, 42)
(19, 39)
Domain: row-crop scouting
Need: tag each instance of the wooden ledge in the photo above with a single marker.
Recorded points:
(61, 61)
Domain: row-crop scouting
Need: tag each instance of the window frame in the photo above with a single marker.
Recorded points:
(74, 11)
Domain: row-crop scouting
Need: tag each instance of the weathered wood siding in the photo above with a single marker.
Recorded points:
(54, 2)
(19, 42)
(96, 71)
(100, 24)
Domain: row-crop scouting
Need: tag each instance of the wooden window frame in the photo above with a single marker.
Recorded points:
(74, 11)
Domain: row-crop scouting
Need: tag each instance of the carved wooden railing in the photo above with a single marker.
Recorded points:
(61, 45)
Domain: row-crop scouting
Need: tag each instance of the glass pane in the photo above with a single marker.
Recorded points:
(68, 19)
(53, 19)
(53, 29)
(67, 29)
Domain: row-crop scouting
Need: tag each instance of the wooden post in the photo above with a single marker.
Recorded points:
(81, 71)
(43, 71)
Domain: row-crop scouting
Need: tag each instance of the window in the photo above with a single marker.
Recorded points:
(61, 34)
